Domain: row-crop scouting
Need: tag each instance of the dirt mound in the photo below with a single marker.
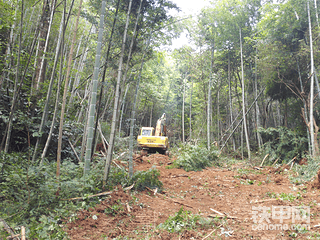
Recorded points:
(100, 222)
(146, 162)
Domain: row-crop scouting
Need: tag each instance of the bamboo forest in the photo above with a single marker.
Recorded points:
(134, 119)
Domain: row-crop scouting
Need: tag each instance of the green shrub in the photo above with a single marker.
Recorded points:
(29, 196)
(149, 178)
(283, 143)
(195, 158)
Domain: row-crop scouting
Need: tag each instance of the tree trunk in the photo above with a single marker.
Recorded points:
(80, 67)
(9, 45)
(45, 110)
(124, 78)
(115, 108)
(64, 99)
(313, 153)
(103, 77)
(209, 101)
(257, 118)
(243, 101)
(45, 149)
(230, 103)
(183, 100)
(150, 122)
(233, 131)
(93, 101)
(190, 113)
(218, 114)
(304, 112)
(316, 8)
(16, 89)
(133, 113)
(7, 132)
(44, 30)
(122, 107)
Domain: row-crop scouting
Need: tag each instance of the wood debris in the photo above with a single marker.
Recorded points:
(217, 212)
(265, 200)
(153, 190)
(9, 230)
(219, 216)
(128, 207)
(180, 175)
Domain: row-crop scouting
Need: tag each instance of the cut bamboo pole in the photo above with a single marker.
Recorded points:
(23, 233)
(264, 160)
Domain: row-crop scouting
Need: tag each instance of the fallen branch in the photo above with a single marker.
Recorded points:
(154, 191)
(219, 216)
(96, 195)
(217, 212)
(181, 175)
(181, 203)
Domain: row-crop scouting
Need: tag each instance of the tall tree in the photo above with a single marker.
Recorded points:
(92, 106)
(116, 100)
(65, 92)
(16, 91)
(313, 141)
(243, 100)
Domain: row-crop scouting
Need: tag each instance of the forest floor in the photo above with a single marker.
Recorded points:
(246, 200)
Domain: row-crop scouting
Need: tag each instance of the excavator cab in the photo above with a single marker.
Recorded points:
(147, 131)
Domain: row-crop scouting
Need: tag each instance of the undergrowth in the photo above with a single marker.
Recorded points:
(195, 158)
(30, 195)
(184, 220)
(283, 143)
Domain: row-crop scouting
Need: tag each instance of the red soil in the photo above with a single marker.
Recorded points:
(224, 190)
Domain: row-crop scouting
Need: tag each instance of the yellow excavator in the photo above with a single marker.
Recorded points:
(150, 141)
